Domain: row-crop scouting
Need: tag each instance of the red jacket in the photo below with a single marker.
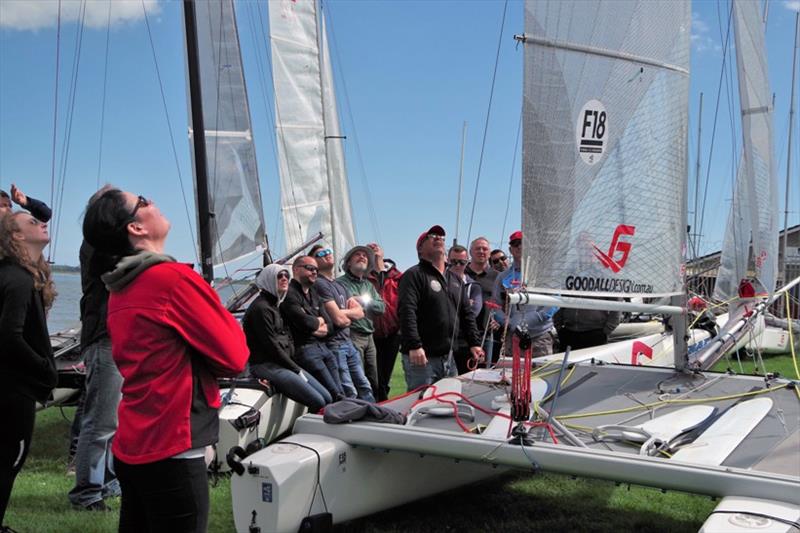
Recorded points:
(386, 284)
(170, 338)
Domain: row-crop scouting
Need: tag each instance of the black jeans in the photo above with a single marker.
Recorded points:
(15, 441)
(387, 348)
(168, 496)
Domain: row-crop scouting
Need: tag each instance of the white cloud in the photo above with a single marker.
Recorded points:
(40, 14)
(701, 38)
(792, 5)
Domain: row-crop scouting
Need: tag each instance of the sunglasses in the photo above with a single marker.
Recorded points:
(140, 202)
(459, 262)
(310, 268)
(435, 237)
(323, 253)
(283, 275)
(498, 260)
(515, 243)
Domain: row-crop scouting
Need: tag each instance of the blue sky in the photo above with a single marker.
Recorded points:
(408, 73)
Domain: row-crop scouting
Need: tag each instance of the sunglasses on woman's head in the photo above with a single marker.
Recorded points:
(323, 253)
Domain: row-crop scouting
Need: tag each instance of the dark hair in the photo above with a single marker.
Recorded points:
(4, 194)
(105, 224)
(457, 248)
(314, 249)
(496, 251)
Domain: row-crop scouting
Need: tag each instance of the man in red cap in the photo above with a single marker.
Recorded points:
(538, 320)
(430, 315)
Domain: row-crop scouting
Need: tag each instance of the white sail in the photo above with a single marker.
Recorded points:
(314, 193)
(237, 227)
(754, 211)
(604, 161)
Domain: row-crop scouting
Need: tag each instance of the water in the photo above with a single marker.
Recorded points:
(65, 312)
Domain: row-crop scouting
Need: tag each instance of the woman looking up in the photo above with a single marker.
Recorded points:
(171, 338)
(271, 347)
(27, 369)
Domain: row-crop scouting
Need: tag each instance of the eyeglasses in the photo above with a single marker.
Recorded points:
(500, 259)
(310, 268)
(459, 262)
(323, 253)
(140, 202)
(515, 243)
(283, 275)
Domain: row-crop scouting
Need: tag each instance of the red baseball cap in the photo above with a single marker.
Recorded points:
(435, 230)
(516, 236)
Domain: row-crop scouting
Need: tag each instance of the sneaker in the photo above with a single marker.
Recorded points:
(99, 505)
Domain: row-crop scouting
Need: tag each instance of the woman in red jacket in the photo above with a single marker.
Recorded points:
(171, 338)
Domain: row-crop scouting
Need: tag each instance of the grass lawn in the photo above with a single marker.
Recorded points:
(512, 502)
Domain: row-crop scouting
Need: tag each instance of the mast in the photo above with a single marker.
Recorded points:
(697, 176)
(789, 150)
(204, 213)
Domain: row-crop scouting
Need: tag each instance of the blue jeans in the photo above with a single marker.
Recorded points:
(436, 369)
(94, 471)
(351, 371)
(319, 361)
(308, 392)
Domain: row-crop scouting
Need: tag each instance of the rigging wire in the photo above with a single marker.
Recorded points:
(263, 92)
(103, 105)
(65, 147)
(55, 119)
(169, 130)
(486, 124)
(511, 178)
(359, 156)
(714, 130)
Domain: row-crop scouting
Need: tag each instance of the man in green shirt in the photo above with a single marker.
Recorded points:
(358, 262)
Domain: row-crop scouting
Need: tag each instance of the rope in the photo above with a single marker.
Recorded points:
(791, 338)
(169, 129)
(486, 123)
(103, 105)
(714, 129)
(511, 178)
(55, 118)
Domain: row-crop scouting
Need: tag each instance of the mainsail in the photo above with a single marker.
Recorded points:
(604, 161)
(314, 192)
(237, 225)
(753, 217)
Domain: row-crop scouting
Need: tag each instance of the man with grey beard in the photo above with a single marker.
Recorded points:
(358, 262)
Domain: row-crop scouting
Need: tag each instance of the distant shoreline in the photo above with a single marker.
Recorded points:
(65, 268)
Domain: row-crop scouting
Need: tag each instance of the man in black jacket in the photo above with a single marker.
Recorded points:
(302, 311)
(430, 316)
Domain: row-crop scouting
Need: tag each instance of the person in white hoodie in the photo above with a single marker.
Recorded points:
(271, 345)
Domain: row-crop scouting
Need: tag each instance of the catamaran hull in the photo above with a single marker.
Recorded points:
(279, 486)
(736, 514)
(238, 426)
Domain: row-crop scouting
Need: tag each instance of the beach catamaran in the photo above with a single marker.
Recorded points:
(604, 213)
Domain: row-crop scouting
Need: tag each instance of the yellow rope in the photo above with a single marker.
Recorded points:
(661, 403)
(791, 336)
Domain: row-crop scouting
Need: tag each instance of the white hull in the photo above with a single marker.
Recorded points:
(280, 484)
(737, 514)
(277, 413)
(772, 340)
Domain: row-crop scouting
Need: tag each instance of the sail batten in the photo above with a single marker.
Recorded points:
(751, 238)
(237, 226)
(604, 156)
(314, 193)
